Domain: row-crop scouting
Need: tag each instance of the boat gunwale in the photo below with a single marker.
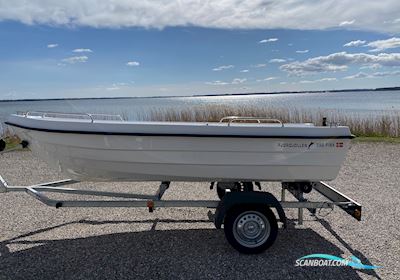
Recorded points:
(351, 136)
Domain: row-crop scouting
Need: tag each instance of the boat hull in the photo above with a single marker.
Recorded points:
(98, 157)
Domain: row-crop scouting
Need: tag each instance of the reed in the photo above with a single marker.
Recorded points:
(360, 125)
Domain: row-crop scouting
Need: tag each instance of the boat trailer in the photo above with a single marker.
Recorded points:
(249, 224)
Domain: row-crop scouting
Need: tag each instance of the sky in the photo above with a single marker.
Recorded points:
(93, 48)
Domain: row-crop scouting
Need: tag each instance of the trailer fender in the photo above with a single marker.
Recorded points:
(232, 199)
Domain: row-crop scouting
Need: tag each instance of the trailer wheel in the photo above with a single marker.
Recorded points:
(250, 229)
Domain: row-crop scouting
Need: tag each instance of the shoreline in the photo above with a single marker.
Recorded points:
(202, 95)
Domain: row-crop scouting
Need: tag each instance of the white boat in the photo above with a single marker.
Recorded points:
(85, 147)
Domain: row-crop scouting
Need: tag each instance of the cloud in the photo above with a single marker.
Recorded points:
(327, 79)
(238, 81)
(318, 81)
(347, 22)
(339, 62)
(113, 88)
(355, 43)
(132, 63)
(283, 83)
(116, 86)
(269, 40)
(371, 66)
(76, 59)
(82, 51)
(223, 67)
(362, 75)
(267, 79)
(359, 75)
(260, 65)
(302, 51)
(385, 74)
(235, 81)
(217, 83)
(277, 60)
(228, 14)
(50, 46)
(244, 71)
(381, 45)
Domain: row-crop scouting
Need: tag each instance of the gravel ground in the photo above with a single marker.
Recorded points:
(39, 242)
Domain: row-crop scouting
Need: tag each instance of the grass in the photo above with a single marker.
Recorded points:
(393, 140)
(11, 141)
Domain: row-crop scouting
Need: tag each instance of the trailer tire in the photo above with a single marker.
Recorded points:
(250, 229)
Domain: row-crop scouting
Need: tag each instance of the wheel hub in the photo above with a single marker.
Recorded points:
(251, 229)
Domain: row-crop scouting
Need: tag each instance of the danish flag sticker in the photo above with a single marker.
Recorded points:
(339, 144)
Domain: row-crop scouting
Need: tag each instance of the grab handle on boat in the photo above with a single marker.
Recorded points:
(232, 119)
(44, 114)
(92, 117)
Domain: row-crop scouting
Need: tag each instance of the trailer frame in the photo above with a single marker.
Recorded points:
(232, 200)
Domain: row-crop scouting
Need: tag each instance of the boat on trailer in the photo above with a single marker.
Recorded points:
(235, 155)
(235, 149)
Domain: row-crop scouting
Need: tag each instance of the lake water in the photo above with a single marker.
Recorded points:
(361, 103)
